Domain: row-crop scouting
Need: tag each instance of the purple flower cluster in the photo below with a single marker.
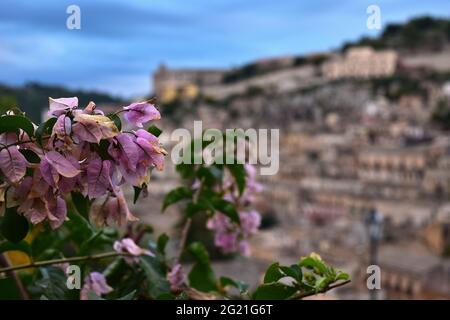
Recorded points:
(86, 153)
(127, 245)
(176, 277)
(232, 237)
(95, 282)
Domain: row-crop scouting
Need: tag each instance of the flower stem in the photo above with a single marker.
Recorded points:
(307, 294)
(65, 260)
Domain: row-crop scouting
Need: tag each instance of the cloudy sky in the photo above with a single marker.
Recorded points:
(121, 42)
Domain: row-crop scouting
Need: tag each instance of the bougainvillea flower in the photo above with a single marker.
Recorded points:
(93, 128)
(127, 245)
(62, 105)
(54, 165)
(176, 277)
(39, 208)
(62, 127)
(13, 164)
(95, 282)
(149, 145)
(231, 237)
(99, 177)
(141, 112)
(124, 151)
(250, 222)
(112, 210)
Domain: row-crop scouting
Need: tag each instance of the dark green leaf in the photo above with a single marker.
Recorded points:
(137, 192)
(185, 170)
(156, 276)
(241, 286)
(14, 226)
(129, 296)
(79, 226)
(202, 205)
(176, 195)
(154, 130)
(162, 242)
(238, 172)
(273, 291)
(54, 284)
(93, 296)
(44, 129)
(273, 273)
(227, 208)
(201, 276)
(165, 296)
(20, 246)
(14, 123)
(102, 149)
(293, 271)
(114, 117)
(81, 203)
(210, 175)
(31, 156)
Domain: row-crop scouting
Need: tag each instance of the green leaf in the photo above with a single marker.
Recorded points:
(273, 291)
(238, 172)
(314, 262)
(201, 276)
(81, 203)
(86, 245)
(154, 130)
(227, 208)
(162, 242)
(294, 271)
(165, 296)
(137, 192)
(176, 195)
(241, 286)
(44, 128)
(115, 270)
(273, 273)
(342, 276)
(54, 284)
(199, 252)
(114, 117)
(322, 284)
(93, 296)
(129, 296)
(202, 205)
(102, 149)
(79, 226)
(14, 123)
(156, 276)
(185, 170)
(14, 226)
(31, 156)
(210, 175)
(19, 246)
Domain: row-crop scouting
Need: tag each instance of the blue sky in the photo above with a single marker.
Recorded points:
(121, 42)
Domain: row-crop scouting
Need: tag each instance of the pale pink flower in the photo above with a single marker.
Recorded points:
(95, 282)
(140, 112)
(176, 277)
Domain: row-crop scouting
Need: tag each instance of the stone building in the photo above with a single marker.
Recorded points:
(168, 83)
(361, 62)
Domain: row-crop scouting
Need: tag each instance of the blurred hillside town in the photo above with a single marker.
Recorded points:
(363, 128)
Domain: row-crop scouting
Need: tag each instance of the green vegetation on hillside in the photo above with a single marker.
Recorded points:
(33, 97)
(419, 34)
